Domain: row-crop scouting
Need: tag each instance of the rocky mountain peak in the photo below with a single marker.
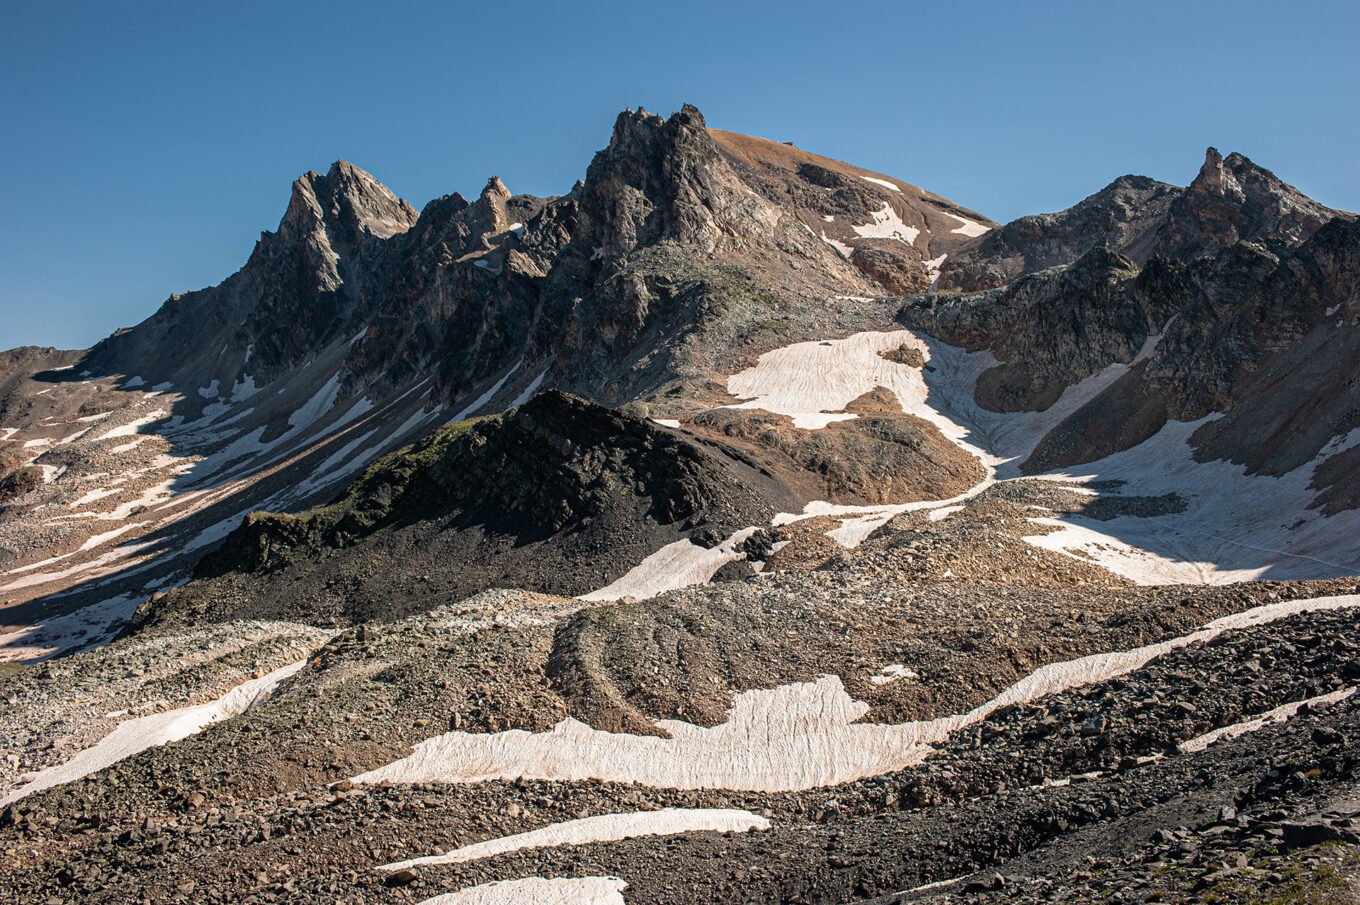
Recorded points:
(1233, 200)
(656, 180)
(347, 203)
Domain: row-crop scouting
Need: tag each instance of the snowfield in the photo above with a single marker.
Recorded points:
(799, 736)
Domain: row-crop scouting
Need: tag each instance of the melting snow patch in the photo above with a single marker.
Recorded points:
(969, 228)
(891, 673)
(539, 891)
(530, 390)
(883, 182)
(845, 250)
(245, 389)
(135, 736)
(676, 565)
(799, 736)
(1235, 526)
(887, 224)
(1281, 714)
(133, 427)
(472, 408)
(604, 828)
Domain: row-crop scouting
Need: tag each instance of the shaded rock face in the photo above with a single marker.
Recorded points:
(561, 496)
(1119, 216)
(1234, 200)
(1231, 200)
(1263, 339)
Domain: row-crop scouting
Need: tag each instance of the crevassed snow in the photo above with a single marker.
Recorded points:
(799, 736)
(538, 891)
(134, 736)
(602, 828)
(887, 224)
(1281, 714)
(970, 228)
(883, 182)
(676, 565)
(530, 390)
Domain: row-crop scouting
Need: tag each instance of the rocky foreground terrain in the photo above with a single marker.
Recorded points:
(738, 526)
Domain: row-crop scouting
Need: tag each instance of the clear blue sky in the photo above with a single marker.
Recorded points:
(145, 144)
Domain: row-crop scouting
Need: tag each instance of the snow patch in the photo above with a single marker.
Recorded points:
(970, 228)
(887, 224)
(486, 397)
(845, 250)
(1235, 527)
(676, 565)
(883, 182)
(892, 673)
(538, 891)
(1281, 714)
(133, 427)
(603, 828)
(667, 422)
(209, 391)
(530, 390)
(134, 736)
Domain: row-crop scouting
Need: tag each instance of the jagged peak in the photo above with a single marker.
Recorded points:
(496, 188)
(347, 202)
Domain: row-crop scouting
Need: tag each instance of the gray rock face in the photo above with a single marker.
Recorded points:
(1231, 200)
(1119, 216)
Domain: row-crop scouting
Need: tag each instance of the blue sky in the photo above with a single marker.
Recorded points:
(146, 144)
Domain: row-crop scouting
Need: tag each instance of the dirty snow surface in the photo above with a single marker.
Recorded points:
(539, 891)
(602, 828)
(799, 736)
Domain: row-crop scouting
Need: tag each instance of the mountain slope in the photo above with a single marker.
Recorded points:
(861, 548)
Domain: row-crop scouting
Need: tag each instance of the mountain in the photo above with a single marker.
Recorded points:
(863, 548)
(1231, 200)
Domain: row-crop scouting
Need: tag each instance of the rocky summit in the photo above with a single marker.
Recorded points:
(739, 525)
